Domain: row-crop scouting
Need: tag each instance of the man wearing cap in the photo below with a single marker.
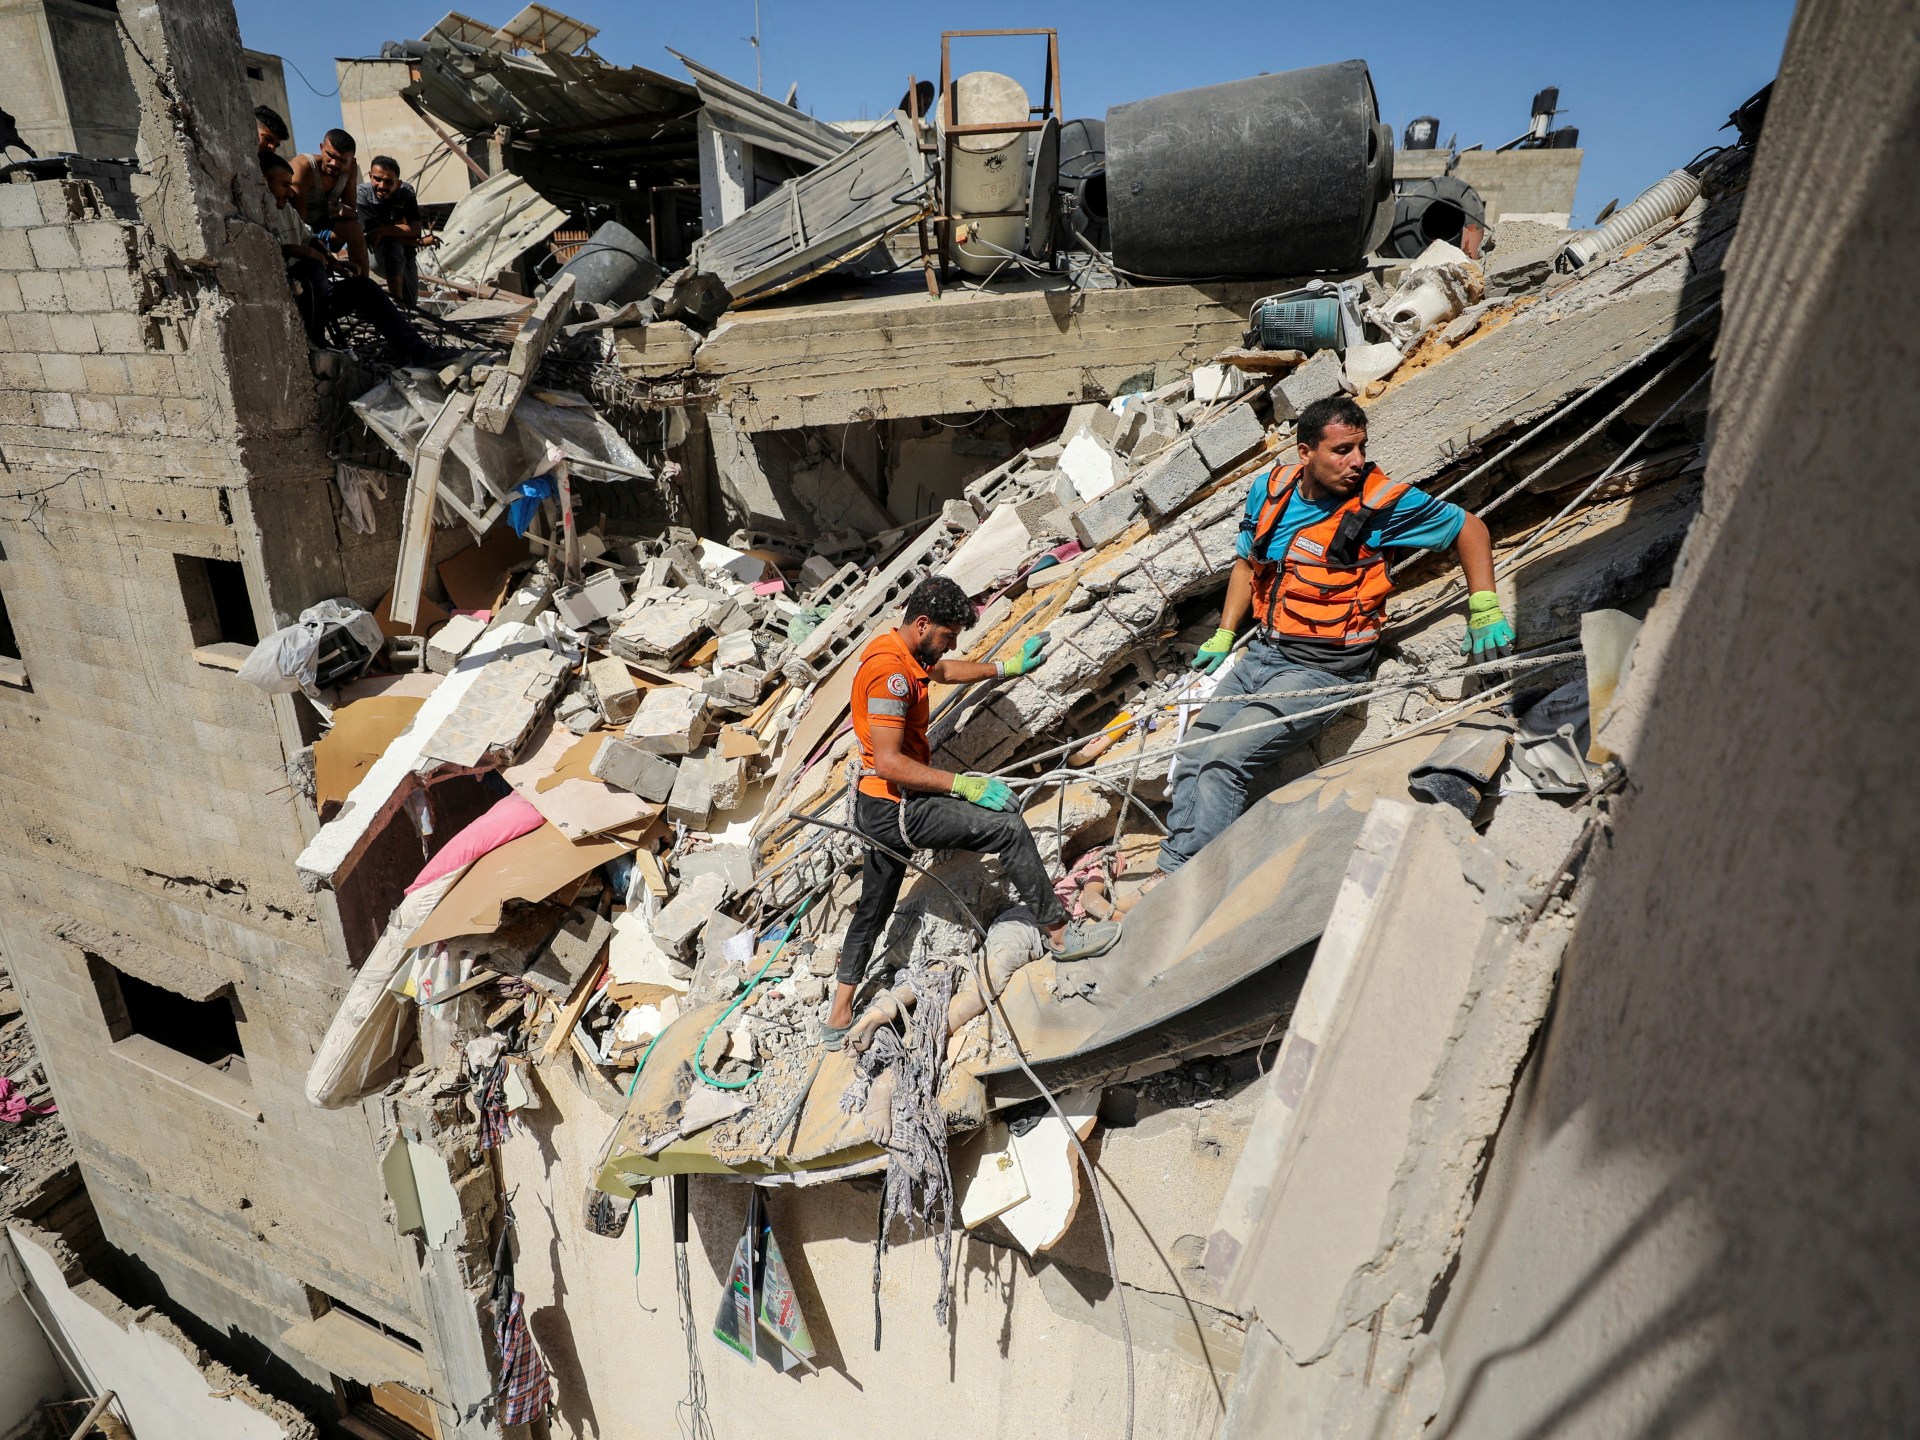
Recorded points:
(902, 803)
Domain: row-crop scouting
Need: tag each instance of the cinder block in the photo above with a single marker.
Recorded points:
(87, 291)
(74, 334)
(10, 297)
(42, 292)
(64, 372)
(139, 414)
(97, 413)
(614, 690)
(672, 720)
(626, 766)
(1227, 439)
(692, 799)
(106, 374)
(1175, 479)
(452, 640)
(681, 917)
(121, 333)
(15, 252)
(102, 244)
(53, 248)
(20, 207)
(1321, 376)
(29, 332)
(185, 416)
(1099, 521)
(56, 411)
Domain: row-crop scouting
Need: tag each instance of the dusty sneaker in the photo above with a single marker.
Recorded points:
(1085, 939)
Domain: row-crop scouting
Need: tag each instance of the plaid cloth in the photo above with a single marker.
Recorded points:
(525, 1394)
(495, 1123)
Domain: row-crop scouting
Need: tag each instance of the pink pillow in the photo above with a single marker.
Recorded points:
(508, 819)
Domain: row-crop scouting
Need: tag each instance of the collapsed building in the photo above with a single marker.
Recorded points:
(425, 789)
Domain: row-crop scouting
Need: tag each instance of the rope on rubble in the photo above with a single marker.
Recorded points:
(1567, 409)
(984, 981)
(1355, 692)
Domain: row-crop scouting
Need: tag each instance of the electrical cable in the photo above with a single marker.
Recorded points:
(700, 1050)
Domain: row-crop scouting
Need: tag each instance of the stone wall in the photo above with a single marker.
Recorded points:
(157, 416)
(1699, 1219)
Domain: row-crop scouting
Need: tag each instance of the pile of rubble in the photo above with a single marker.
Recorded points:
(34, 1148)
(622, 746)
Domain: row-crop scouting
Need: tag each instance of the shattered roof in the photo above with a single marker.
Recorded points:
(736, 110)
(586, 113)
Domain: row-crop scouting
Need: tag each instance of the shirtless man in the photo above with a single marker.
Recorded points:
(325, 185)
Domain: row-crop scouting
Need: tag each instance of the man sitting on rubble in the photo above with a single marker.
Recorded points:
(320, 293)
(904, 804)
(325, 184)
(390, 219)
(1311, 567)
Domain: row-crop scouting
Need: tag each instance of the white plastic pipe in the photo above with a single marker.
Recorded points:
(1657, 203)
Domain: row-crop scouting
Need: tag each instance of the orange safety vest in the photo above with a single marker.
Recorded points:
(1330, 586)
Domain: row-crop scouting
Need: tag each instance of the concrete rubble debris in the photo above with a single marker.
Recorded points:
(580, 786)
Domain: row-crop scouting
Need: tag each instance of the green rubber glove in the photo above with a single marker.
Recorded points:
(1214, 651)
(989, 792)
(1032, 656)
(1489, 632)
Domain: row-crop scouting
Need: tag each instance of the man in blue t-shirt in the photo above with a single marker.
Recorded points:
(1311, 569)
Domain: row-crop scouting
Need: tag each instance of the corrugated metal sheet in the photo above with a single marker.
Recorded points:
(819, 219)
(571, 100)
(746, 113)
(493, 225)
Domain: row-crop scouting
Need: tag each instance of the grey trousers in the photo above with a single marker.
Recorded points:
(1215, 781)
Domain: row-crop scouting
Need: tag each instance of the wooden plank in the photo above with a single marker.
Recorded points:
(907, 354)
(509, 382)
(416, 521)
(576, 1007)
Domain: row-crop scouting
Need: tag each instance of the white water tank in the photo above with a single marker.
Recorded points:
(987, 172)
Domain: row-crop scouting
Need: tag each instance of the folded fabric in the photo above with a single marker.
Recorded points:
(509, 819)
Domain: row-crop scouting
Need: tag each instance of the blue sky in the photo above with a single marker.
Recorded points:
(1647, 83)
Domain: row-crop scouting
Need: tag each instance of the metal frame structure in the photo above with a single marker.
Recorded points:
(1047, 109)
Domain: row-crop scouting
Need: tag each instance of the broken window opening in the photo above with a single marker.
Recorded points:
(219, 609)
(207, 1031)
(9, 644)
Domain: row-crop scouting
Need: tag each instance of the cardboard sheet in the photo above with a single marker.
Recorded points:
(530, 868)
(554, 778)
(361, 733)
(474, 576)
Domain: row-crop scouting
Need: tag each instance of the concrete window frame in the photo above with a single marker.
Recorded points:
(226, 1084)
(13, 665)
(219, 609)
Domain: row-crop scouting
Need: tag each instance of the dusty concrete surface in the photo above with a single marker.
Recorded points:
(1033, 1351)
(1700, 1217)
(165, 1387)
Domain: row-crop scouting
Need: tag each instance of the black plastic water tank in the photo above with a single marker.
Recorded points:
(613, 267)
(1431, 208)
(1278, 175)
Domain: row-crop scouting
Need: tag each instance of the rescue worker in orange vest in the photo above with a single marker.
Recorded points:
(905, 804)
(1311, 567)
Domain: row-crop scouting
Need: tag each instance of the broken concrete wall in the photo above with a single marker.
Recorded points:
(163, 1384)
(1699, 1218)
(1035, 1348)
(30, 1375)
(158, 425)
